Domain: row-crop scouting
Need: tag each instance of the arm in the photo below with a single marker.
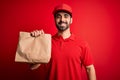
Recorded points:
(34, 66)
(91, 72)
(35, 33)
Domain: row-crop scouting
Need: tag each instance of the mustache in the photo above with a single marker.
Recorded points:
(62, 22)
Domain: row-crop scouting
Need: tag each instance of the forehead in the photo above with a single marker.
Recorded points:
(62, 13)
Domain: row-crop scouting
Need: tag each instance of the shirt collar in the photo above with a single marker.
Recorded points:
(72, 37)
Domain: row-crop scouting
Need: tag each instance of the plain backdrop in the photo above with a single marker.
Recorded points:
(96, 21)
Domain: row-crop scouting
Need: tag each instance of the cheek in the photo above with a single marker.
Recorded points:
(69, 21)
(57, 21)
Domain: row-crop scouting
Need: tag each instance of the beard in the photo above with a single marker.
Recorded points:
(61, 27)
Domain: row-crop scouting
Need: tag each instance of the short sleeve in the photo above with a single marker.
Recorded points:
(86, 56)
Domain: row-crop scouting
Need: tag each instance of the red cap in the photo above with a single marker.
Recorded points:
(63, 7)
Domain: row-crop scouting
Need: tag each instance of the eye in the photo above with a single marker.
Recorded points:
(66, 15)
(57, 16)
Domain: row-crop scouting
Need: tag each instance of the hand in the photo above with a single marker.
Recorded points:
(36, 33)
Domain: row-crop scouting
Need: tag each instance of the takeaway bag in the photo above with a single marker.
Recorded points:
(33, 49)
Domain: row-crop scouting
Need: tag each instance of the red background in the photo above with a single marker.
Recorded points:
(96, 21)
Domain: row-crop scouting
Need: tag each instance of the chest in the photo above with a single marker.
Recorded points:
(65, 50)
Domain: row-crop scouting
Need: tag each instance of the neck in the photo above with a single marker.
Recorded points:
(65, 34)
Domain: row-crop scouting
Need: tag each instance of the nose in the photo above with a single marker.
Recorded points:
(62, 18)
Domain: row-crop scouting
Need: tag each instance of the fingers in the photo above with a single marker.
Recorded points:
(37, 33)
(42, 32)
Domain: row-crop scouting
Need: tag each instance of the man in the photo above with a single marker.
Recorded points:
(69, 53)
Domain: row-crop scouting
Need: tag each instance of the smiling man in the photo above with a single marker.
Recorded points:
(69, 52)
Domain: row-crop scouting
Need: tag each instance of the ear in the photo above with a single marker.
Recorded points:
(71, 21)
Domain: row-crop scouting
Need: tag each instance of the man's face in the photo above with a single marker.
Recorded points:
(63, 21)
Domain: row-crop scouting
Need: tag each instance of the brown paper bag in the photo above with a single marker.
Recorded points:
(33, 49)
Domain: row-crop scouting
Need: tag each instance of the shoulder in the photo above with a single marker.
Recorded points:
(80, 41)
(55, 37)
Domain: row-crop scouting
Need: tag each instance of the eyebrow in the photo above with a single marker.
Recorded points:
(64, 14)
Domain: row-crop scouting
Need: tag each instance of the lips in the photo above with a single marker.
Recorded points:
(63, 24)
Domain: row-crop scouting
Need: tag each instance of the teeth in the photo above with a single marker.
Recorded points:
(63, 24)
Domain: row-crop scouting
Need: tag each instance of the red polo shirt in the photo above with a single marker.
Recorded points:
(68, 56)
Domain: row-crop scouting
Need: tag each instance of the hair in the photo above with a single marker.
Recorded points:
(63, 11)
